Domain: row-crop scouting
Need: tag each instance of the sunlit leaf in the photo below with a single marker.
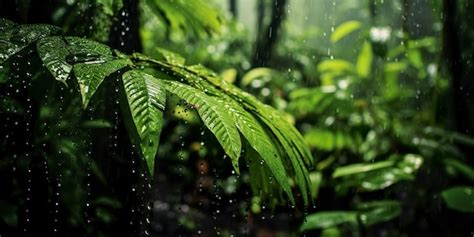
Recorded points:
(256, 73)
(345, 29)
(335, 65)
(364, 60)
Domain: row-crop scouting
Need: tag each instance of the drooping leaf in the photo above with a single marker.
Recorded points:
(53, 51)
(14, 38)
(91, 74)
(294, 147)
(460, 198)
(322, 220)
(260, 141)
(344, 29)
(146, 98)
(214, 116)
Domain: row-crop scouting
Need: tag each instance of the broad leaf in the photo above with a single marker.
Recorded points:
(14, 38)
(59, 54)
(146, 98)
(459, 198)
(91, 74)
(214, 116)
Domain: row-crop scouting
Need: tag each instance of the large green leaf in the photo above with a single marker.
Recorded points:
(14, 38)
(285, 136)
(91, 74)
(59, 54)
(214, 116)
(261, 142)
(459, 198)
(323, 220)
(146, 98)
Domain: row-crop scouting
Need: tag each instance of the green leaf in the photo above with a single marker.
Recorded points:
(460, 198)
(90, 76)
(146, 99)
(15, 38)
(214, 116)
(195, 16)
(360, 168)
(256, 73)
(97, 123)
(344, 29)
(59, 54)
(461, 167)
(380, 179)
(322, 220)
(376, 212)
(170, 57)
(364, 60)
(316, 181)
(53, 52)
(336, 66)
(261, 142)
(110, 7)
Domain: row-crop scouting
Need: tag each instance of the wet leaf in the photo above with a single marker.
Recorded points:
(91, 75)
(16, 37)
(146, 98)
(214, 116)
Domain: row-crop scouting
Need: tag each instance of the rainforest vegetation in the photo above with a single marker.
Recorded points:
(236, 118)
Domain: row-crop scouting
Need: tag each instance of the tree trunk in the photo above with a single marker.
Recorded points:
(125, 35)
(268, 37)
(462, 87)
(233, 8)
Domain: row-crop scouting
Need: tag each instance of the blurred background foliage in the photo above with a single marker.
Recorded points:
(381, 91)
